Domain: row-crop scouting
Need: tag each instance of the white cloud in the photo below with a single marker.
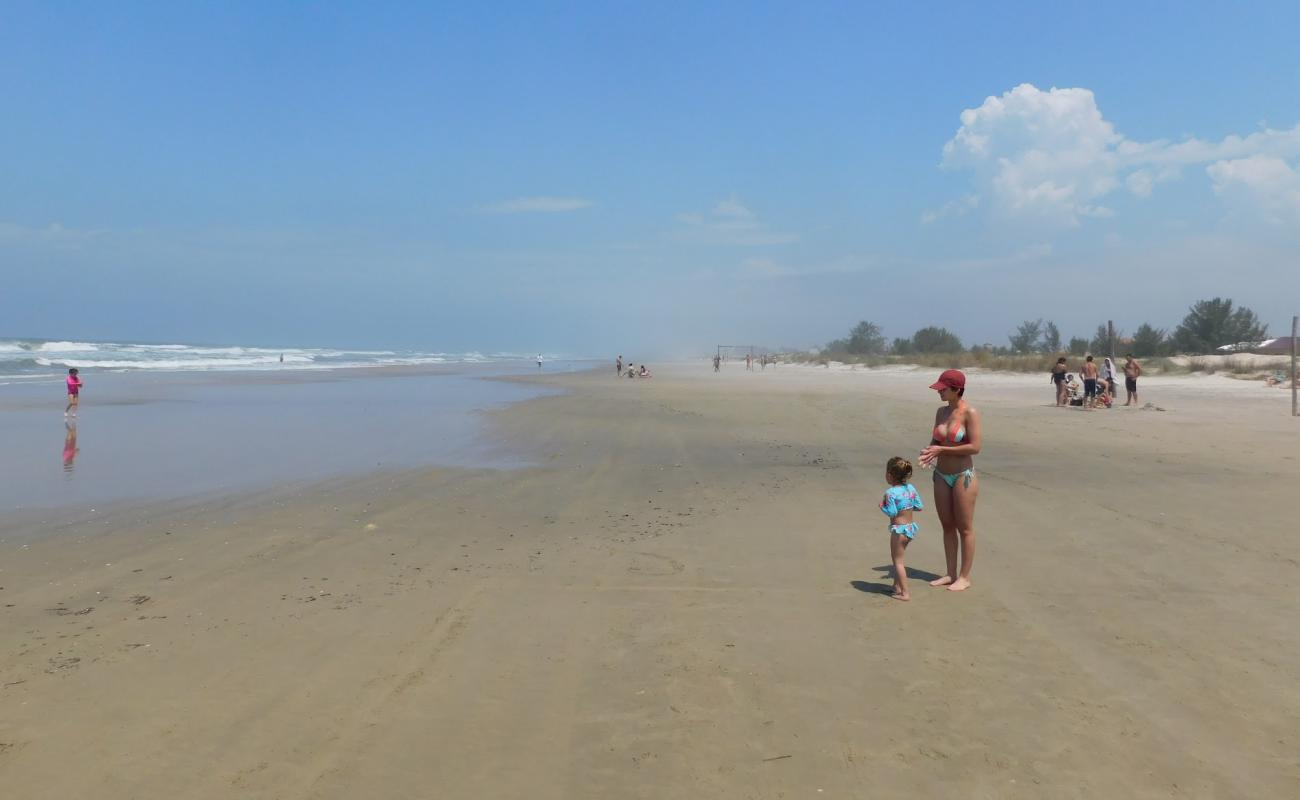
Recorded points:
(952, 208)
(1140, 183)
(1025, 255)
(770, 268)
(1271, 182)
(1052, 156)
(538, 205)
(730, 223)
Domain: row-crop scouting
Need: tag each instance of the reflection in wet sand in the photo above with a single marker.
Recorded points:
(206, 433)
(70, 448)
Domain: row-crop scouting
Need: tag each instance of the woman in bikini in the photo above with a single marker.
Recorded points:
(956, 486)
(1058, 380)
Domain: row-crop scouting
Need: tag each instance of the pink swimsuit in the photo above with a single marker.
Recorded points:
(74, 385)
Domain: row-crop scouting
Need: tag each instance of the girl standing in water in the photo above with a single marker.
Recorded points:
(956, 440)
(74, 392)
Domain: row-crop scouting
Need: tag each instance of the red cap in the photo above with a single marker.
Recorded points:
(950, 379)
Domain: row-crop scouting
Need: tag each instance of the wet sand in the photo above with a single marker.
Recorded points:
(687, 599)
(143, 437)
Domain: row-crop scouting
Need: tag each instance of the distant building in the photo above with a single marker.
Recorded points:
(1279, 346)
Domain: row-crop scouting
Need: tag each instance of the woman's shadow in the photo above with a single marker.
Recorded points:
(887, 571)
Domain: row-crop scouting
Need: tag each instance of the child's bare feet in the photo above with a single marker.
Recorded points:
(899, 594)
(961, 584)
(944, 581)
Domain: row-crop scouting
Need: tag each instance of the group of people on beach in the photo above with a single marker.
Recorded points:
(762, 361)
(632, 371)
(1100, 384)
(954, 442)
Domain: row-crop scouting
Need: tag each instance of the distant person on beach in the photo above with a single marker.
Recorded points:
(1108, 374)
(900, 500)
(618, 366)
(1073, 390)
(1058, 379)
(1132, 369)
(717, 363)
(74, 393)
(1089, 373)
(749, 363)
(645, 371)
(539, 360)
(956, 439)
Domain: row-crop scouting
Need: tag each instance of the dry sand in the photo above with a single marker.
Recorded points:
(685, 600)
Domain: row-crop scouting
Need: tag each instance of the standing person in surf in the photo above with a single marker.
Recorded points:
(74, 393)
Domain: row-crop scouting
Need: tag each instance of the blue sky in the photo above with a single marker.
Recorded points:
(593, 177)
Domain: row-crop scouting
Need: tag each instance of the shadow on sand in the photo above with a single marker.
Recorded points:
(887, 572)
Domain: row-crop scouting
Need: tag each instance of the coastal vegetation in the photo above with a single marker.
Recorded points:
(1035, 344)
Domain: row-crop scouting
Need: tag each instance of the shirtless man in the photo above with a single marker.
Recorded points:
(1089, 373)
(1132, 369)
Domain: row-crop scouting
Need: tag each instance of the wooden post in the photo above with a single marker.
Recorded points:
(1295, 323)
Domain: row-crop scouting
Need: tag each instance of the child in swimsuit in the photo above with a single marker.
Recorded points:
(74, 392)
(900, 500)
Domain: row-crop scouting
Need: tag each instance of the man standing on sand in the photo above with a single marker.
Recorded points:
(618, 366)
(1089, 373)
(1132, 369)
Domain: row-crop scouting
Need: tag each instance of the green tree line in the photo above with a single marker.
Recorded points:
(1208, 325)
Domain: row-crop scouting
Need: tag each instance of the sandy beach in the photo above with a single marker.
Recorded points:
(686, 597)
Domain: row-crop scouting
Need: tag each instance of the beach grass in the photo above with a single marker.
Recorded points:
(1240, 365)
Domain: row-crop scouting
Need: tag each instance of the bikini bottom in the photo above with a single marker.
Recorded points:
(951, 480)
(909, 530)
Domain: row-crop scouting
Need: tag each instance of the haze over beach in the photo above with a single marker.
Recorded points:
(362, 435)
(530, 178)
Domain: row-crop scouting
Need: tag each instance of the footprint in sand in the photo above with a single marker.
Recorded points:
(657, 565)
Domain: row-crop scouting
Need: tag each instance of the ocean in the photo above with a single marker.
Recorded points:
(171, 422)
(38, 359)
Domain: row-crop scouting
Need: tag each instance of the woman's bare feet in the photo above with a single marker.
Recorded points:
(944, 581)
(961, 584)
